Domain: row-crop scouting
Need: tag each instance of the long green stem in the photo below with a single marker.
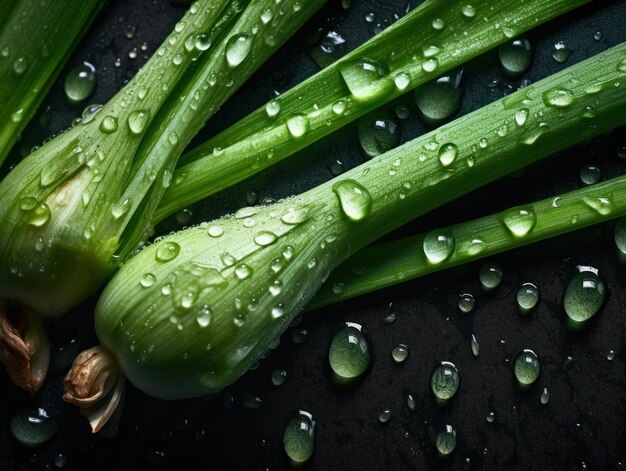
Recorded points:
(36, 38)
(395, 262)
(437, 36)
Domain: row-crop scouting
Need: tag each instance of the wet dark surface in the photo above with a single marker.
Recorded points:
(583, 425)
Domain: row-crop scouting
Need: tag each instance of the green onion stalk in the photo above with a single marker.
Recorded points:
(432, 39)
(79, 205)
(193, 312)
(36, 38)
(402, 260)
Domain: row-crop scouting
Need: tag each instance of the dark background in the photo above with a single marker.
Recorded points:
(581, 427)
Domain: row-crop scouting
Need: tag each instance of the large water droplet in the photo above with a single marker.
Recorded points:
(354, 199)
(33, 427)
(527, 297)
(438, 246)
(520, 221)
(237, 49)
(440, 99)
(137, 121)
(80, 83)
(366, 79)
(378, 133)
(167, 251)
(446, 441)
(37, 212)
(584, 296)
(445, 381)
(515, 56)
(299, 438)
(558, 97)
(349, 354)
(526, 368)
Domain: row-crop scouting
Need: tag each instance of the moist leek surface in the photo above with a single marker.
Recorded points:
(220, 293)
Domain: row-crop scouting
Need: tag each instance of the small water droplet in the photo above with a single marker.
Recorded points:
(237, 49)
(438, 24)
(526, 368)
(108, 124)
(243, 271)
(339, 107)
(446, 441)
(402, 81)
(491, 416)
(378, 133)
(354, 199)
(584, 296)
(299, 438)
(349, 354)
(204, 317)
(445, 381)
(515, 57)
(37, 212)
(527, 297)
(400, 353)
(590, 174)
(272, 108)
(80, 83)
(279, 377)
(148, 280)
(298, 125)
(490, 275)
(475, 346)
(520, 221)
(167, 251)
(265, 238)
(438, 246)
(558, 97)
(448, 154)
(545, 396)
(466, 303)
(137, 121)
(384, 416)
(620, 235)
(430, 65)
(521, 116)
(561, 53)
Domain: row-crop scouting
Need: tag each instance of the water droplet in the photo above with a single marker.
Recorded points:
(520, 221)
(349, 354)
(602, 205)
(20, 65)
(526, 368)
(266, 16)
(339, 107)
(490, 275)
(37, 212)
(167, 251)
(521, 116)
(60, 460)
(108, 124)
(438, 246)
(215, 231)
(545, 396)
(279, 377)
(204, 317)
(515, 57)
(265, 238)
(584, 296)
(298, 125)
(243, 271)
(294, 216)
(299, 336)
(137, 121)
(611, 355)
(389, 318)
(89, 113)
(400, 353)
(119, 209)
(622, 66)
(491, 416)
(430, 65)
(558, 97)
(620, 235)
(402, 81)
(355, 200)
(33, 427)
(384, 416)
(527, 297)
(468, 11)
(80, 82)
(173, 138)
(475, 346)
(366, 79)
(448, 154)
(446, 441)
(590, 174)
(299, 438)
(445, 381)
(440, 99)
(466, 303)
(237, 49)
(148, 280)
(438, 24)
(561, 53)
(378, 133)
(272, 108)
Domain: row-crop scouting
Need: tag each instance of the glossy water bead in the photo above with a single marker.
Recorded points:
(446, 441)
(445, 381)
(527, 297)
(349, 354)
(584, 296)
(490, 275)
(527, 368)
(299, 438)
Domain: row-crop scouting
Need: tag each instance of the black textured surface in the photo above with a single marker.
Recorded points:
(582, 426)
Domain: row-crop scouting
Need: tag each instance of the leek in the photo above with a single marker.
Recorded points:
(36, 38)
(190, 314)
